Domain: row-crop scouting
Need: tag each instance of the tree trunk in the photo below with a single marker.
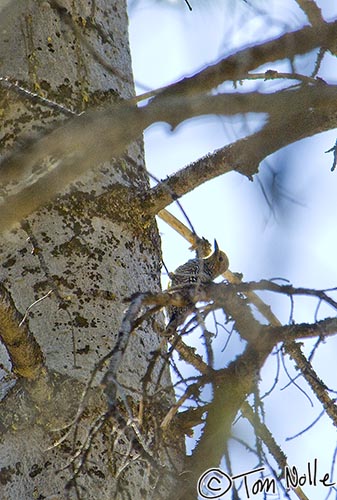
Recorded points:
(83, 260)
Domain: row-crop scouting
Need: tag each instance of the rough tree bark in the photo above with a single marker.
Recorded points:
(76, 54)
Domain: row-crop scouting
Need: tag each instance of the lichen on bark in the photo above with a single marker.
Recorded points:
(84, 253)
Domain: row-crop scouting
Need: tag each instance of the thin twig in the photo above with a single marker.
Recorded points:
(33, 305)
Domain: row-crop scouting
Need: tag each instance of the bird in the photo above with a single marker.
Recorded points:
(195, 272)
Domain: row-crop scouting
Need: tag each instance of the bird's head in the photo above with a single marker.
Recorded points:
(218, 261)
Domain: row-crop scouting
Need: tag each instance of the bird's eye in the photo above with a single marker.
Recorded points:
(221, 259)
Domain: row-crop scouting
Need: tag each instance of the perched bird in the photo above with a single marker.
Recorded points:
(193, 273)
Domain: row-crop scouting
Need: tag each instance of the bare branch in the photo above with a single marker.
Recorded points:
(232, 385)
(236, 66)
(287, 289)
(34, 174)
(313, 380)
(24, 351)
(324, 328)
(203, 246)
(264, 433)
(189, 355)
(312, 11)
(305, 117)
(266, 436)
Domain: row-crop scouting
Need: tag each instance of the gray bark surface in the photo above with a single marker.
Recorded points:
(76, 54)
